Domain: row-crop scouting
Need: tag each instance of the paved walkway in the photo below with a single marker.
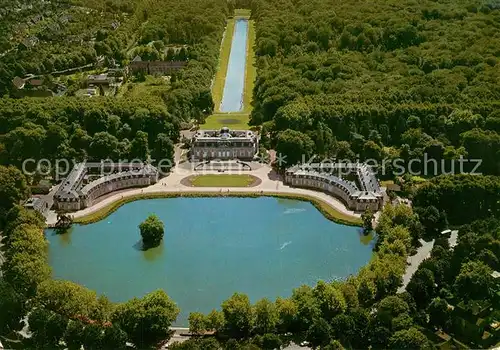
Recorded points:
(453, 240)
(2, 258)
(414, 261)
(423, 253)
(271, 182)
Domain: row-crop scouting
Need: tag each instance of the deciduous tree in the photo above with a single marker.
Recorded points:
(139, 148)
(215, 320)
(13, 306)
(47, 328)
(409, 339)
(197, 323)
(293, 146)
(147, 320)
(114, 338)
(238, 315)
(319, 333)
(421, 287)
(24, 272)
(71, 300)
(439, 313)
(367, 218)
(330, 299)
(266, 317)
(474, 280)
(73, 335)
(152, 230)
(13, 187)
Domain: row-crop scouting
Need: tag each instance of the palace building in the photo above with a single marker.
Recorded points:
(224, 144)
(155, 67)
(358, 188)
(89, 181)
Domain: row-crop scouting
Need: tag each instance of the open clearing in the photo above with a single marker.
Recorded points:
(234, 121)
(214, 180)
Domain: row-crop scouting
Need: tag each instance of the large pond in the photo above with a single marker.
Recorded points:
(232, 99)
(212, 248)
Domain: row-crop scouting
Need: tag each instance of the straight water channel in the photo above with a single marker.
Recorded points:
(232, 99)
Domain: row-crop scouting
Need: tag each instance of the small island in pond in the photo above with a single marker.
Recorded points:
(152, 230)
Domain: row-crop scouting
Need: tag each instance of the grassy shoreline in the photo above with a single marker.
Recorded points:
(328, 211)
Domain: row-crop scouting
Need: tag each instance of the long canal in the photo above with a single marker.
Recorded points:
(234, 86)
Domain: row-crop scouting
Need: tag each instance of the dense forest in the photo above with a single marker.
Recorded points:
(58, 35)
(393, 79)
(114, 32)
(120, 128)
(388, 80)
(71, 128)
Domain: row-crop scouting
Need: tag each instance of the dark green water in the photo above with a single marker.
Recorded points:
(212, 248)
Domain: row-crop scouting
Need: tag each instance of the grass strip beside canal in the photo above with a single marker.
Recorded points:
(220, 76)
(326, 209)
(250, 70)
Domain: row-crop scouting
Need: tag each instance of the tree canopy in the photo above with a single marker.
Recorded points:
(72, 300)
(152, 230)
(147, 320)
(396, 79)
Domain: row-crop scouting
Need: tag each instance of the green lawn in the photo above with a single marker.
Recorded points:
(234, 121)
(242, 13)
(151, 87)
(222, 180)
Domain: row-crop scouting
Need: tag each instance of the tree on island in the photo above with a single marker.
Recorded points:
(152, 230)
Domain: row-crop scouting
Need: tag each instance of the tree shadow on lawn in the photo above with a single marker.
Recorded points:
(274, 176)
